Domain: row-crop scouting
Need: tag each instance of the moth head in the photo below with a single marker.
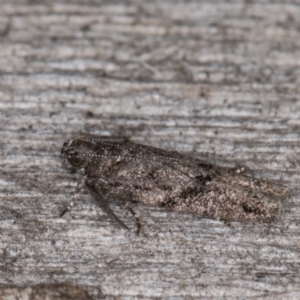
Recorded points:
(75, 153)
(75, 159)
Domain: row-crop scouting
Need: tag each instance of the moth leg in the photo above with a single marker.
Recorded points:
(78, 188)
(125, 202)
(138, 223)
(102, 201)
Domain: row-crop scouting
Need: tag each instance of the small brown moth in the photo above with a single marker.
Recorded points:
(127, 172)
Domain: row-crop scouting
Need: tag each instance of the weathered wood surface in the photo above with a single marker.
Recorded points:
(213, 78)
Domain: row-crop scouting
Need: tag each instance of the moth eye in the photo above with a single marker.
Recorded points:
(76, 161)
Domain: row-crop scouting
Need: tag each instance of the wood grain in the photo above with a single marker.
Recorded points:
(218, 80)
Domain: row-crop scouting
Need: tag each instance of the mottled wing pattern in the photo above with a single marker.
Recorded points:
(129, 172)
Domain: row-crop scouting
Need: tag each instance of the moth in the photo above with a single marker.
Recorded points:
(128, 173)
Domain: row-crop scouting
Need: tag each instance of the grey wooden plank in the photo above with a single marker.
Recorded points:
(219, 80)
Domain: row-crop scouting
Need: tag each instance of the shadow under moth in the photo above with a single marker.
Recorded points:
(127, 173)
